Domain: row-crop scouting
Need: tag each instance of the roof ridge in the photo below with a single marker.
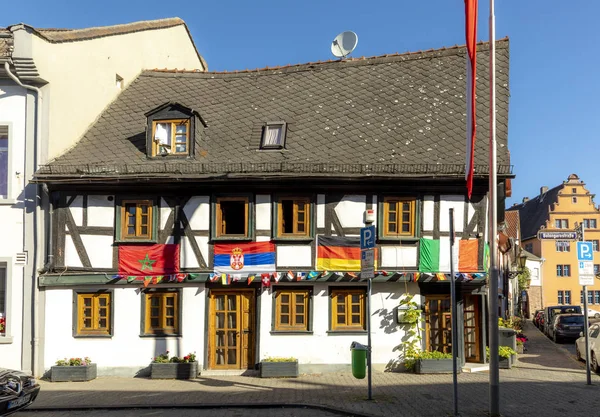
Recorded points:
(409, 54)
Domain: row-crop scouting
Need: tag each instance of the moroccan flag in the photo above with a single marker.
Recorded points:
(148, 260)
(471, 35)
(336, 253)
(240, 258)
(434, 255)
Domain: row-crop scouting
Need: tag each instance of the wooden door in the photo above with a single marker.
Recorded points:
(438, 324)
(472, 323)
(231, 329)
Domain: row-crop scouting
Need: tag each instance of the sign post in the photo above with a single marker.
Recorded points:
(367, 270)
(585, 259)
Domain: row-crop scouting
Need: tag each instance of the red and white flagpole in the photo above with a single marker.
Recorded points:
(493, 226)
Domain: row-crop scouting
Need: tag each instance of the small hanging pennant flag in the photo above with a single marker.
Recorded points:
(251, 278)
(324, 273)
(130, 279)
(266, 279)
(277, 276)
(290, 275)
(417, 275)
(223, 279)
(312, 275)
(236, 277)
(215, 277)
(154, 280)
(441, 277)
(181, 277)
(147, 281)
(300, 276)
(117, 276)
(352, 275)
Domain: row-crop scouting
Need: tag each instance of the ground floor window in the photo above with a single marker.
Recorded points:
(93, 314)
(161, 313)
(291, 309)
(348, 309)
(560, 297)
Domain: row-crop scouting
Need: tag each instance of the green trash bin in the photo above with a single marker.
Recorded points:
(359, 360)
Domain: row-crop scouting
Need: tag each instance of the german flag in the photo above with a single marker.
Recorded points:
(336, 253)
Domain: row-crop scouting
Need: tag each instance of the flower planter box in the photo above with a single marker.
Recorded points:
(520, 348)
(278, 369)
(434, 366)
(187, 370)
(505, 363)
(73, 373)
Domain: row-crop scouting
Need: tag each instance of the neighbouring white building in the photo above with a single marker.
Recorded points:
(219, 213)
(54, 83)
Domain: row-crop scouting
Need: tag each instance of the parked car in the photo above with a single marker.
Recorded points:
(593, 313)
(566, 326)
(552, 311)
(534, 316)
(538, 319)
(594, 332)
(17, 390)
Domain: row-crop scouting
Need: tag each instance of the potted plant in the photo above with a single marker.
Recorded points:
(73, 369)
(521, 339)
(433, 363)
(2, 325)
(505, 354)
(163, 367)
(277, 367)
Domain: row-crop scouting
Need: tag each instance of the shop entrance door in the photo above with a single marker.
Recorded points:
(231, 329)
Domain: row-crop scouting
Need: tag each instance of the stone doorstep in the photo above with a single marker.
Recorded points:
(476, 367)
(226, 372)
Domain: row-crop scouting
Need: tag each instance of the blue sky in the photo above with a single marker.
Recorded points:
(554, 117)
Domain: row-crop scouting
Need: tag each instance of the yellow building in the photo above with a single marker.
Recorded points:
(561, 209)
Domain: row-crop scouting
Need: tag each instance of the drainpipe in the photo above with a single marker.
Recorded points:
(36, 217)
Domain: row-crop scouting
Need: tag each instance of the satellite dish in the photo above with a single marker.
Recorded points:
(344, 44)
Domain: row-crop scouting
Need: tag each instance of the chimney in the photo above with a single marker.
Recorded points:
(543, 189)
(525, 199)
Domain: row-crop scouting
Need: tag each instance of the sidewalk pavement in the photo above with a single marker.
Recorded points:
(546, 382)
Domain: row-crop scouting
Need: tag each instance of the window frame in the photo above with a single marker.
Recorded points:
(276, 326)
(217, 215)
(283, 127)
(383, 212)
(5, 264)
(8, 200)
(77, 317)
(560, 297)
(559, 223)
(595, 245)
(145, 329)
(120, 218)
(173, 140)
(565, 270)
(567, 297)
(277, 218)
(587, 224)
(334, 326)
(565, 248)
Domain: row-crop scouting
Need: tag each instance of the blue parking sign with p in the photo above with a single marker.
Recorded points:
(585, 251)
(367, 237)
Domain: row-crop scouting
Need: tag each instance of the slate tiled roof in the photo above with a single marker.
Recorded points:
(534, 213)
(512, 224)
(398, 115)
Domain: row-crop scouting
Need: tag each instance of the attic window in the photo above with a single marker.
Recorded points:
(273, 136)
(170, 137)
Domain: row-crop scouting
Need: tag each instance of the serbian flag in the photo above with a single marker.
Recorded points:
(471, 35)
(434, 255)
(148, 260)
(336, 253)
(240, 258)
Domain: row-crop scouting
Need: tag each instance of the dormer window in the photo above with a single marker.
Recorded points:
(170, 131)
(273, 135)
(170, 137)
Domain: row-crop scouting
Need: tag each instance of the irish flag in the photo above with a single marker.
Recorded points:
(471, 35)
(434, 255)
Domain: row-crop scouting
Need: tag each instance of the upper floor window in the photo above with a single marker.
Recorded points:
(563, 270)
(293, 217)
(594, 244)
(4, 162)
(291, 309)
(93, 313)
(348, 309)
(136, 219)
(560, 297)
(399, 216)
(589, 223)
(596, 269)
(170, 137)
(232, 217)
(568, 297)
(563, 246)
(561, 223)
(529, 247)
(273, 136)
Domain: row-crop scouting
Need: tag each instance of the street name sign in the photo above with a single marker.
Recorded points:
(557, 235)
(367, 263)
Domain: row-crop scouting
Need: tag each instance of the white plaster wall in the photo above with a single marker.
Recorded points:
(457, 202)
(428, 216)
(398, 256)
(470, 215)
(445, 253)
(10, 353)
(197, 211)
(320, 210)
(187, 259)
(536, 272)
(71, 255)
(263, 212)
(99, 250)
(126, 348)
(202, 242)
(101, 59)
(76, 209)
(299, 256)
(101, 211)
(350, 210)
(334, 349)
(165, 211)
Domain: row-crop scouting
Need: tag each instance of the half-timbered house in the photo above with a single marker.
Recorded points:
(219, 213)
